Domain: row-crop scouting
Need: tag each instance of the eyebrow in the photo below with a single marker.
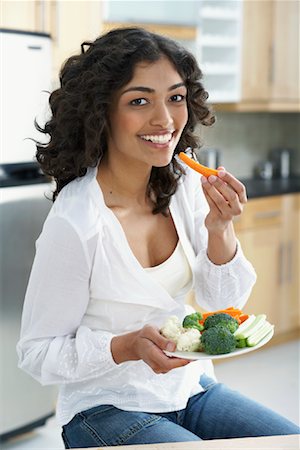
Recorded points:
(150, 90)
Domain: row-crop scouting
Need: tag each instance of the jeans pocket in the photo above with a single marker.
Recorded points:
(111, 426)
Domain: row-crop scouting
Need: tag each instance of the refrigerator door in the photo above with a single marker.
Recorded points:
(24, 92)
(24, 402)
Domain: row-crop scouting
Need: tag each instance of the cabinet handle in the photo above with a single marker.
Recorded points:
(289, 263)
(267, 215)
(271, 65)
(281, 265)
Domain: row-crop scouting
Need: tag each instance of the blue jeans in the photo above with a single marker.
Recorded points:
(216, 413)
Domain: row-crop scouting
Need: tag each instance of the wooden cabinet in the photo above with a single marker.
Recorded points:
(270, 57)
(269, 234)
(19, 15)
(72, 22)
(68, 22)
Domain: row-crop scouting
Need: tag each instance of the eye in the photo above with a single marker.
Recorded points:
(138, 102)
(177, 98)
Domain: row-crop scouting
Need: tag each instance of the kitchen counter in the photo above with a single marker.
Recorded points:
(259, 443)
(264, 188)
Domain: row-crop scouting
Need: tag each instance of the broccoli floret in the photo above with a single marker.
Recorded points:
(218, 340)
(192, 321)
(241, 343)
(221, 319)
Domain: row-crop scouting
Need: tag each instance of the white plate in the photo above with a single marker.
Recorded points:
(236, 352)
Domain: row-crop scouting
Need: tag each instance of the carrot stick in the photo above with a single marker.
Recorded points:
(233, 312)
(206, 171)
(243, 317)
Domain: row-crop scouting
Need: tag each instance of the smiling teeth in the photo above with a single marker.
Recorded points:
(158, 139)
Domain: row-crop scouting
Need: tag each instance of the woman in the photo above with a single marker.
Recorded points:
(130, 233)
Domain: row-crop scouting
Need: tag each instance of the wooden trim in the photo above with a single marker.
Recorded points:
(288, 107)
(174, 31)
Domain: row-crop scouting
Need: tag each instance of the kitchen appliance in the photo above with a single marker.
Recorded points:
(282, 160)
(209, 157)
(25, 76)
(264, 170)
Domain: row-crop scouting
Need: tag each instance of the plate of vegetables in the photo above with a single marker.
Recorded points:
(217, 334)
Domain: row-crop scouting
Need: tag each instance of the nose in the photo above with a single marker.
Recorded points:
(161, 116)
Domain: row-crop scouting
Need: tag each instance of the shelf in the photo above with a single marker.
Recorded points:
(219, 14)
(218, 42)
(218, 69)
(256, 106)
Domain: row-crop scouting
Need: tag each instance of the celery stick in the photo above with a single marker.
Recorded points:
(244, 325)
(252, 328)
(262, 332)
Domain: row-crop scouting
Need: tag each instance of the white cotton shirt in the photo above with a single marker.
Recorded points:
(86, 286)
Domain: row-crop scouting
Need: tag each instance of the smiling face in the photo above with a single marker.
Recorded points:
(148, 115)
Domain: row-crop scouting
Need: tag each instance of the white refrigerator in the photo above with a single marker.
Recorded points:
(25, 79)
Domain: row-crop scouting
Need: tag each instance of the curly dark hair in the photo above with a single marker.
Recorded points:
(79, 124)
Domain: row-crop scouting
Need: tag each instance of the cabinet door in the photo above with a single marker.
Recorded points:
(289, 286)
(285, 82)
(263, 249)
(18, 15)
(71, 23)
(257, 37)
(270, 67)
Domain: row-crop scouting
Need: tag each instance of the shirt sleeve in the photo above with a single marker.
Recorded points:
(218, 286)
(54, 347)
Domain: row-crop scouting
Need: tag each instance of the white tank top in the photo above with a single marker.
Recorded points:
(174, 273)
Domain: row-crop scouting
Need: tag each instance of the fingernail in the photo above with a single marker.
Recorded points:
(203, 179)
(170, 346)
(212, 178)
(221, 173)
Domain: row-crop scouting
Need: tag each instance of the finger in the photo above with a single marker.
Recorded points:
(158, 339)
(170, 363)
(223, 197)
(236, 185)
(161, 363)
(206, 190)
(230, 197)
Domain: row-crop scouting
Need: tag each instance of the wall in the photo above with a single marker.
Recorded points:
(246, 138)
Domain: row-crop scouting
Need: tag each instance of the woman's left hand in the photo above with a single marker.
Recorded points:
(226, 196)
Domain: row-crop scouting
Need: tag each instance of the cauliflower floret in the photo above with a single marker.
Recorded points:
(189, 341)
(172, 328)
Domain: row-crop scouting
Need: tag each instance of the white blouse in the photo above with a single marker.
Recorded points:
(86, 286)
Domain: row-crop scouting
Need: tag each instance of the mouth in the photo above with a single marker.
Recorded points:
(162, 139)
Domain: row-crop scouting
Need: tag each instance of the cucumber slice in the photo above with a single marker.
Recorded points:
(262, 332)
(257, 323)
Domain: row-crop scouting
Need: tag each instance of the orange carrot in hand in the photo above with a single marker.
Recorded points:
(206, 171)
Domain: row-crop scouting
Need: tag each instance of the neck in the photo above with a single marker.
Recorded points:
(124, 182)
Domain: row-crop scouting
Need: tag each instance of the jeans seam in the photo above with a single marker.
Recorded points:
(136, 428)
(65, 440)
(91, 430)
(133, 430)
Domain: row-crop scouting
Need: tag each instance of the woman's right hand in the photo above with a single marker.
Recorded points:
(146, 344)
